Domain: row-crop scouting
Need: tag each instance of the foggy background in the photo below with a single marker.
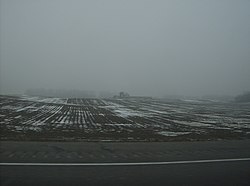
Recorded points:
(144, 47)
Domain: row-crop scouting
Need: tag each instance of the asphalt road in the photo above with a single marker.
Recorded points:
(193, 173)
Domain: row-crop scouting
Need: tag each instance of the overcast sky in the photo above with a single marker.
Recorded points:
(148, 47)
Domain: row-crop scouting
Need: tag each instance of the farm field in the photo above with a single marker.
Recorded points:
(130, 119)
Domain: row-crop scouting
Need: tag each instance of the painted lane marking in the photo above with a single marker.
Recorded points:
(126, 164)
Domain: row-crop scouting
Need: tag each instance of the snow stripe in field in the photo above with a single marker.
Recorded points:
(126, 164)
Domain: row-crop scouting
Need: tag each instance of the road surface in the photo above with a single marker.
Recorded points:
(108, 163)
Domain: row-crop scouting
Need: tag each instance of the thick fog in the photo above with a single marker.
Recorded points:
(144, 47)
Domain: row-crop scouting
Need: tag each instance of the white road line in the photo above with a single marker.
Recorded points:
(126, 164)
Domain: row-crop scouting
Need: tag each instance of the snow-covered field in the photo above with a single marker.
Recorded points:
(37, 118)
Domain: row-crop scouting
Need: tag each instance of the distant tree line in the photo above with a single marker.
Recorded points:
(243, 98)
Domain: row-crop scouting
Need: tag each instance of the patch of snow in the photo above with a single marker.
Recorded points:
(193, 124)
(121, 110)
(238, 126)
(168, 133)
(192, 100)
(44, 100)
(18, 128)
(119, 124)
